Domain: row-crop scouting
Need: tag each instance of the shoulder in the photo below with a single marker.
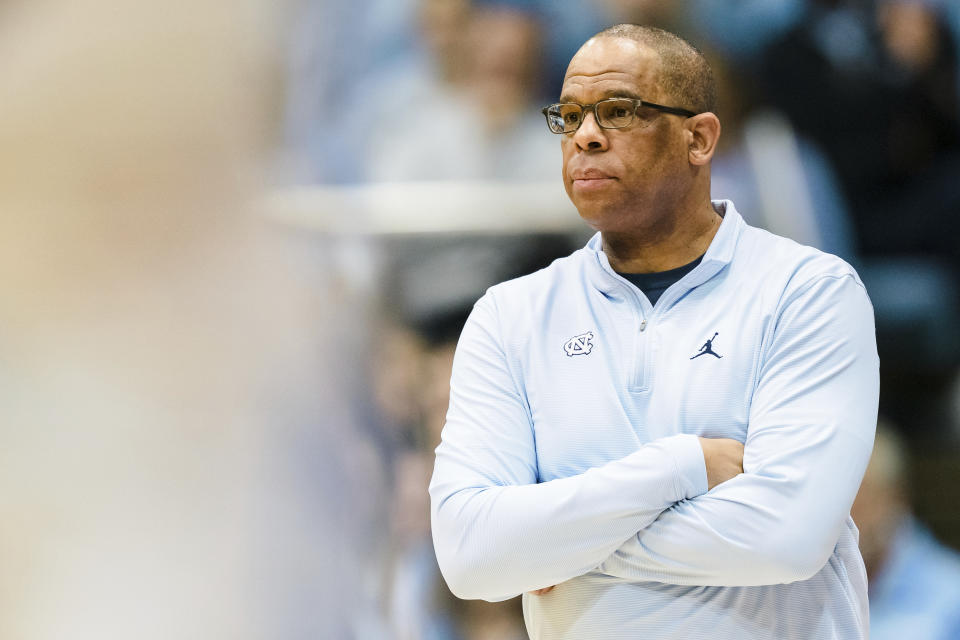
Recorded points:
(515, 310)
(785, 268)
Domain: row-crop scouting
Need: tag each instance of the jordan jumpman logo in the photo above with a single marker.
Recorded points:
(708, 348)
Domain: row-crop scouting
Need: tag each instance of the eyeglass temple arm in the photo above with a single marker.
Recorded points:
(660, 107)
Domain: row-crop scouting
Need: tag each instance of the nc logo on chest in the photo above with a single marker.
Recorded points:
(580, 345)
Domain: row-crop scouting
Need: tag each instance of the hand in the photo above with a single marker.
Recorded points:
(723, 457)
(540, 592)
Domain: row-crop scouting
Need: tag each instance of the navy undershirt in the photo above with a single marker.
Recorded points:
(654, 284)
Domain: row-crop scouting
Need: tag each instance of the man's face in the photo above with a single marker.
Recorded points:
(622, 179)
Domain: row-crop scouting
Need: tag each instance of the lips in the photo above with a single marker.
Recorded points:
(590, 174)
(591, 180)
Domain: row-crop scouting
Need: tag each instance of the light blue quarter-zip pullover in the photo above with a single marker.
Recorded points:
(570, 457)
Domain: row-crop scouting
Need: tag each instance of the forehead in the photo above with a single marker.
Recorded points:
(611, 66)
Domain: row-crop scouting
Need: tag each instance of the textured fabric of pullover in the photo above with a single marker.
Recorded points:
(570, 458)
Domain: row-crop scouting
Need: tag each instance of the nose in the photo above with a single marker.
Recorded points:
(590, 136)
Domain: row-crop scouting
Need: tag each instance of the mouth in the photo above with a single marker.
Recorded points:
(591, 180)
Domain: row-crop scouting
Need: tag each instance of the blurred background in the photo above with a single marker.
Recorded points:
(238, 242)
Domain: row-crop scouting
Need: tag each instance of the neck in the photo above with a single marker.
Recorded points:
(674, 241)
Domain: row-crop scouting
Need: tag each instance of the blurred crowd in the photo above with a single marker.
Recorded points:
(841, 125)
(841, 129)
(216, 424)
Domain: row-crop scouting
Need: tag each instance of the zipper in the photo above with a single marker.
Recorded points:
(637, 380)
(638, 374)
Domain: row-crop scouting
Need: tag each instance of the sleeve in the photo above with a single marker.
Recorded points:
(497, 533)
(812, 421)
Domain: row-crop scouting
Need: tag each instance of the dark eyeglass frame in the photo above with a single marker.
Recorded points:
(637, 103)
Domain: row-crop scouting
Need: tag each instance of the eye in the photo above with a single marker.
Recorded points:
(571, 117)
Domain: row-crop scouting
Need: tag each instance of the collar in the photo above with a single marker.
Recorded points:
(719, 254)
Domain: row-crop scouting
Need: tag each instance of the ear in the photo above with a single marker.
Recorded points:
(703, 132)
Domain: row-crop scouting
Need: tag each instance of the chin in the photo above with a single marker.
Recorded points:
(592, 206)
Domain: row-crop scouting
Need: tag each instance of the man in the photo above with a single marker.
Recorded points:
(584, 448)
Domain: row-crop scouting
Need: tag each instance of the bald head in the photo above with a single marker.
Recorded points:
(685, 76)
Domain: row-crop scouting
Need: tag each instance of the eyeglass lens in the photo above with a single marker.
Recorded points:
(611, 114)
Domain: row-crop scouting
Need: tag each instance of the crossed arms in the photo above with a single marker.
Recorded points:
(648, 516)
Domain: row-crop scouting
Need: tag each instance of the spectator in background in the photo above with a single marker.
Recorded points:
(875, 85)
(432, 286)
(419, 604)
(335, 53)
(424, 92)
(914, 580)
(484, 127)
(779, 180)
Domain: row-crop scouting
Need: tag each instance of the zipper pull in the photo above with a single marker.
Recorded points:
(643, 325)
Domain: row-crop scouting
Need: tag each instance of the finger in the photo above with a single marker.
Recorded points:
(540, 592)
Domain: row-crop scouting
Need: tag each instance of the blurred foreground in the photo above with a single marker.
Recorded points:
(168, 462)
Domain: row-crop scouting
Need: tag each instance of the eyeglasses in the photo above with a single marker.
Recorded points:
(612, 113)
